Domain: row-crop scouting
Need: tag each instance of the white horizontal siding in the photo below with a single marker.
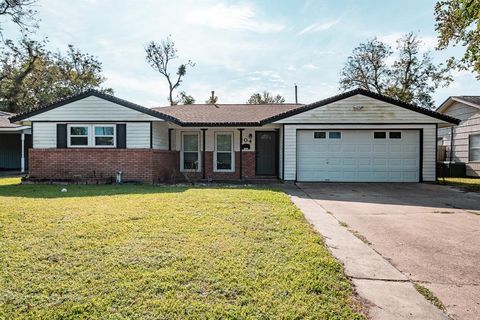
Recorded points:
(429, 145)
(92, 109)
(429, 153)
(44, 135)
(138, 135)
(360, 109)
(160, 135)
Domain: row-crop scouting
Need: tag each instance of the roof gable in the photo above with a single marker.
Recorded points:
(369, 94)
(473, 101)
(86, 95)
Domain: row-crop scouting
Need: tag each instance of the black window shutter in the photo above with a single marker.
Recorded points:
(61, 135)
(121, 135)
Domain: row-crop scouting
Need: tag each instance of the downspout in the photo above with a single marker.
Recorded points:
(451, 144)
(241, 155)
(203, 154)
(22, 160)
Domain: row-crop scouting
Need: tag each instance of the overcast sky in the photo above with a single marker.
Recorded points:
(238, 47)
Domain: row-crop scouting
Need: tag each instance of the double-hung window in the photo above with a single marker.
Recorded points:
(474, 148)
(91, 136)
(224, 154)
(78, 136)
(104, 135)
(190, 151)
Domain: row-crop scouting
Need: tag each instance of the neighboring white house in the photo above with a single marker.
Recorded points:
(14, 143)
(465, 138)
(357, 136)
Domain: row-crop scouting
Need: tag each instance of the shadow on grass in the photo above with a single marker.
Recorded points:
(54, 191)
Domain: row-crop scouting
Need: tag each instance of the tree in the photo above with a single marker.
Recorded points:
(159, 56)
(20, 12)
(184, 98)
(79, 71)
(366, 67)
(458, 23)
(31, 76)
(411, 78)
(265, 98)
(212, 99)
(18, 61)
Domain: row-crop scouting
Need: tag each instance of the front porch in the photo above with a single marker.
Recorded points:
(227, 153)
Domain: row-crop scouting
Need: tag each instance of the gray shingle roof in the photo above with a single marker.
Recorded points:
(471, 99)
(4, 122)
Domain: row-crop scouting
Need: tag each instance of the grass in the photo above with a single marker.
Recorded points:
(144, 252)
(429, 296)
(355, 233)
(468, 184)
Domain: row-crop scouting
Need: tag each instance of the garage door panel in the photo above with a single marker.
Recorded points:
(357, 156)
(364, 147)
(395, 147)
(410, 148)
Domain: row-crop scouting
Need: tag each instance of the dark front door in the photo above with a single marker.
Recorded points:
(266, 153)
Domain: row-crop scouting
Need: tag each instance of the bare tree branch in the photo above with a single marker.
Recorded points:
(158, 56)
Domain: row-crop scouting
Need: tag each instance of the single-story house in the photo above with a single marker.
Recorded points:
(355, 136)
(463, 141)
(15, 140)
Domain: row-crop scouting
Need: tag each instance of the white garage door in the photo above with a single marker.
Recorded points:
(358, 155)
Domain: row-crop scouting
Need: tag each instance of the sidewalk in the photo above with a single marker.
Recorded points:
(390, 293)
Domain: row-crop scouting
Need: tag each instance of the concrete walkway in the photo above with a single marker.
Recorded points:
(390, 294)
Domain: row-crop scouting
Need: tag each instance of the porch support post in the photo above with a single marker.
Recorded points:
(22, 161)
(170, 139)
(241, 155)
(277, 153)
(203, 153)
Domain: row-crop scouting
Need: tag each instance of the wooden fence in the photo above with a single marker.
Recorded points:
(441, 153)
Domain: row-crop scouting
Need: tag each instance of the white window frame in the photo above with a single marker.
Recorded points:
(74, 125)
(232, 152)
(91, 135)
(199, 167)
(114, 136)
(470, 137)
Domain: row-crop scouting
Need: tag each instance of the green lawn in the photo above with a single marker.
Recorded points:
(469, 184)
(144, 252)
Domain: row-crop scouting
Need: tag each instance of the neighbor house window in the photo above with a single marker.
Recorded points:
(380, 135)
(474, 148)
(224, 155)
(105, 136)
(91, 136)
(319, 135)
(190, 151)
(78, 136)
(334, 135)
(395, 135)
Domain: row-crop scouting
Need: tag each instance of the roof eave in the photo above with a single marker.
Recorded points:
(95, 93)
(220, 124)
(369, 94)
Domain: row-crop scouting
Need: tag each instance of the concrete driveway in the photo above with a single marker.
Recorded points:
(430, 233)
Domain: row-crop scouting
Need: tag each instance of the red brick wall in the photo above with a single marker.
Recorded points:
(143, 165)
(248, 165)
(165, 165)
